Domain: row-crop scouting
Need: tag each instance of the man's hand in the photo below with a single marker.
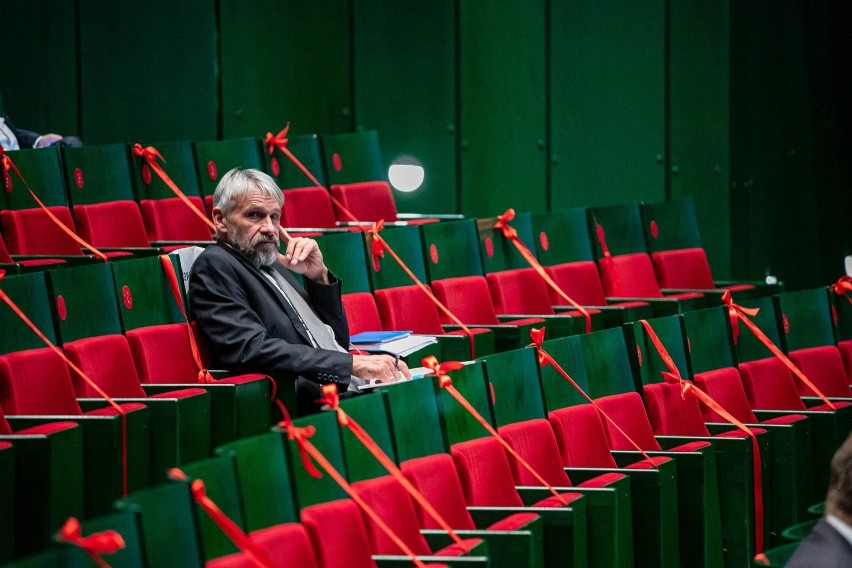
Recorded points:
(303, 256)
(46, 140)
(380, 367)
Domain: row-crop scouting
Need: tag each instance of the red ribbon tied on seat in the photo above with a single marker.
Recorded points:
(537, 336)
(277, 141)
(502, 224)
(301, 437)
(96, 544)
(377, 243)
(843, 286)
(733, 312)
(440, 370)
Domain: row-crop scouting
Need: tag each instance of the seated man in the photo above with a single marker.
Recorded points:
(830, 543)
(253, 313)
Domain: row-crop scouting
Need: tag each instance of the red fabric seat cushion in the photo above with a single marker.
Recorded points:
(394, 506)
(285, 545)
(111, 224)
(581, 437)
(725, 386)
(626, 410)
(162, 354)
(519, 291)
(367, 201)
(823, 365)
(407, 307)
(308, 207)
(534, 441)
(361, 312)
(485, 474)
(696, 446)
(350, 546)
(580, 280)
(629, 275)
(683, 268)
(769, 385)
(172, 220)
(468, 298)
(108, 362)
(31, 231)
(436, 478)
(671, 414)
(36, 381)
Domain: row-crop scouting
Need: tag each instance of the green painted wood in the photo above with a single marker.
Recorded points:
(149, 75)
(806, 318)
(265, 479)
(216, 158)
(353, 157)
(711, 345)
(509, 374)
(460, 424)
(607, 363)
(306, 149)
(417, 428)
(178, 163)
(168, 523)
(371, 413)
(51, 64)
(409, 49)
(220, 485)
(499, 253)
(346, 256)
(131, 556)
(28, 292)
(326, 439)
(42, 171)
(451, 249)
(621, 226)
(670, 225)
(407, 244)
(83, 302)
(562, 236)
(7, 500)
(607, 120)
(672, 335)
(96, 174)
(266, 78)
(768, 320)
(557, 390)
(502, 54)
(143, 292)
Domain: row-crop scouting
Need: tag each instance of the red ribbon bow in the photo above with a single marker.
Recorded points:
(96, 544)
(377, 243)
(149, 154)
(300, 436)
(537, 336)
(733, 312)
(441, 369)
(843, 286)
(502, 224)
(278, 141)
(332, 399)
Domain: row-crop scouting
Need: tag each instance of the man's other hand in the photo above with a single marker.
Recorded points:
(303, 256)
(383, 368)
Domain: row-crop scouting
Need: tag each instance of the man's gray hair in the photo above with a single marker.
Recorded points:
(839, 499)
(237, 183)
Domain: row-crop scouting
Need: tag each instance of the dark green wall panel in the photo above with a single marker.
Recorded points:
(38, 64)
(699, 117)
(149, 71)
(405, 88)
(502, 47)
(607, 71)
(285, 61)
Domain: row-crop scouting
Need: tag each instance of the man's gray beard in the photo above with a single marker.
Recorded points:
(257, 257)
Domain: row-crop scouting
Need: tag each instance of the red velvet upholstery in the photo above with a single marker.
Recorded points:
(367, 201)
(520, 291)
(286, 545)
(769, 385)
(845, 348)
(31, 231)
(823, 365)
(172, 220)
(308, 207)
(580, 280)
(107, 361)
(36, 381)
(671, 414)
(581, 437)
(436, 478)
(627, 410)
(534, 441)
(111, 224)
(629, 275)
(4, 253)
(361, 312)
(349, 546)
(725, 387)
(407, 307)
(162, 354)
(39, 430)
(687, 268)
(468, 298)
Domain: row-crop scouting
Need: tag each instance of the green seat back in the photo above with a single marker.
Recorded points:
(498, 253)
(806, 318)
(220, 484)
(125, 524)
(216, 158)
(557, 390)
(353, 157)
(647, 359)
(264, 478)
(7, 499)
(42, 170)
(608, 366)
(83, 302)
(471, 383)
(178, 163)
(306, 149)
(326, 439)
(671, 225)
(415, 419)
(371, 413)
(562, 236)
(709, 335)
(346, 256)
(622, 229)
(451, 249)
(406, 243)
(768, 320)
(169, 525)
(97, 174)
(29, 293)
(777, 556)
(515, 379)
(143, 292)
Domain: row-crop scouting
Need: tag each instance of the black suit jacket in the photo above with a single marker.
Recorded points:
(250, 328)
(823, 548)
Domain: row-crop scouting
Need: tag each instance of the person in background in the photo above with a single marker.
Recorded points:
(13, 138)
(830, 543)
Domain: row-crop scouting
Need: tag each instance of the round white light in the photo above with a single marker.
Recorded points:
(406, 174)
